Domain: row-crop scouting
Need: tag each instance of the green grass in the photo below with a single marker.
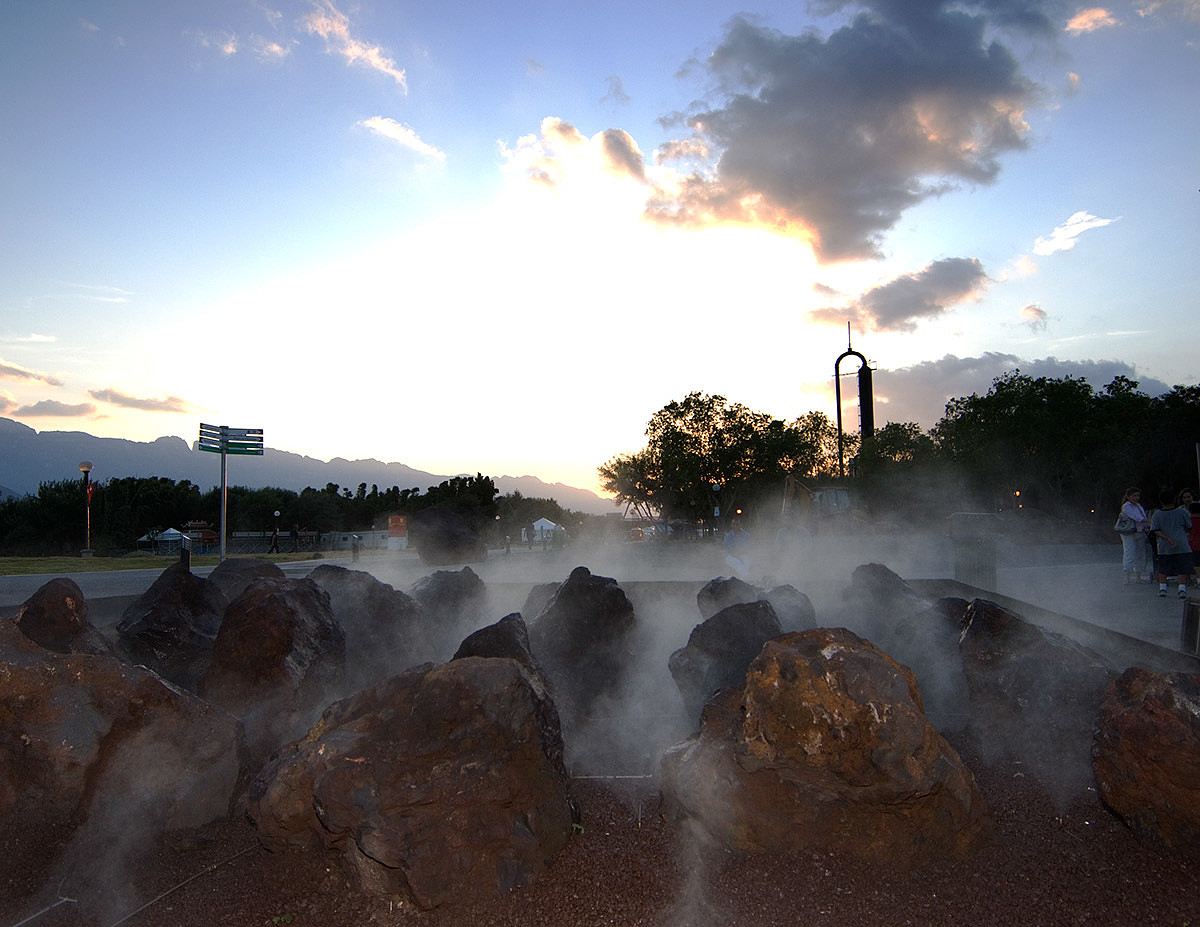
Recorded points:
(18, 566)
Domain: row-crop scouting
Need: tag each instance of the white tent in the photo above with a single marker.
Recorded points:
(165, 542)
(542, 529)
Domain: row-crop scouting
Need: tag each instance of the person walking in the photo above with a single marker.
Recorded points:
(1170, 526)
(1134, 549)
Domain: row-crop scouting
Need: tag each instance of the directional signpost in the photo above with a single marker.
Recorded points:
(223, 440)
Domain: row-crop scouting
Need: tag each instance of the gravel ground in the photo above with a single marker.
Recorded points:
(632, 865)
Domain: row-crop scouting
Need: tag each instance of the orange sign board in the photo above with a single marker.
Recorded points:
(397, 526)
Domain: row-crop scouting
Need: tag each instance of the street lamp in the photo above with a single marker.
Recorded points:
(85, 467)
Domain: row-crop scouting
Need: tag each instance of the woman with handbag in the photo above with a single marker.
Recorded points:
(1131, 525)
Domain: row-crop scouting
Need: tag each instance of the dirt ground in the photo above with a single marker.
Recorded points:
(633, 865)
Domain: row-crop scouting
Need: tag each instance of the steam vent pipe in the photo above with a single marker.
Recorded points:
(866, 401)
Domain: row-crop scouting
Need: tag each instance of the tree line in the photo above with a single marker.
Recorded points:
(1035, 444)
(124, 509)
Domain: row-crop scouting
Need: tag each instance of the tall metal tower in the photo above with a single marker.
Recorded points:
(866, 399)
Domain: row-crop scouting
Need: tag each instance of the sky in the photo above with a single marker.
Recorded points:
(498, 237)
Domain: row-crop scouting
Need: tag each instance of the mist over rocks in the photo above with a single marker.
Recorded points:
(443, 785)
(276, 660)
(453, 603)
(98, 757)
(385, 628)
(442, 537)
(173, 624)
(719, 651)
(1146, 754)
(826, 746)
(56, 617)
(233, 574)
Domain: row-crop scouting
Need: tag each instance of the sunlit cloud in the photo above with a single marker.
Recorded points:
(1063, 238)
(31, 338)
(269, 50)
(223, 43)
(167, 404)
(99, 293)
(52, 408)
(1091, 20)
(17, 372)
(403, 136)
(333, 26)
(7, 404)
(1035, 317)
(900, 303)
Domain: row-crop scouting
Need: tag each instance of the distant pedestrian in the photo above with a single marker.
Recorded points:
(274, 548)
(737, 549)
(295, 539)
(529, 531)
(1133, 541)
(1170, 526)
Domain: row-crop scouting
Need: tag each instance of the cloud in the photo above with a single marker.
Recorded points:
(269, 50)
(224, 43)
(17, 372)
(1091, 20)
(616, 95)
(7, 404)
(333, 26)
(1063, 237)
(898, 304)
(833, 139)
(1035, 317)
(52, 408)
(31, 338)
(919, 393)
(402, 135)
(560, 153)
(167, 404)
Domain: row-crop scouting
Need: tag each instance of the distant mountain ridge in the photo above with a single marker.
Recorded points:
(29, 457)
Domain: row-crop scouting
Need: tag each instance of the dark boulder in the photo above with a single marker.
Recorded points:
(722, 592)
(443, 537)
(719, 651)
(1034, 695)
(825, 748)
(437, 786)
(233, 574)
(1146, 754)
(581, 640)
(793, 608)
(927, 643)
(172, 625)
(385, 628)
(56, 617)
(277, 660)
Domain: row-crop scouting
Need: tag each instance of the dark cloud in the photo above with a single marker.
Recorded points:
(616, 95)
(168, 404)
(16, 372)
(52, 408)
(622, 154)
(920, 393)
(900, 303)
(836, 137)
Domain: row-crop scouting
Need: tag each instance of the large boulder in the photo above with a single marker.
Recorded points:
(793, 608)
(825, 747)
(443, 537)
(277, 660)
(722, 592)
(1146, 754)
(233, 574)
(453, 602)
(172, 625)
(437, 786)
(927, 643)
(581, 640)
(719, 651)
(1034, 695)
(385, 628)
(98, 758)
(56, 617)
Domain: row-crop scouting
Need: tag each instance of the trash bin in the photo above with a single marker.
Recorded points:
(1189, 636)
(974, 536)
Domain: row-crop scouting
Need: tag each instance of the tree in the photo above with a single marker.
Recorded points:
(635, 480)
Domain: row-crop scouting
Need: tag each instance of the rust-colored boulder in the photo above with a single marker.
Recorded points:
(826, 746)
(98, 758)
(1146, 754)
(277, 660)
(56, 617)
(172, 625)
(437, 785)
(385, 628)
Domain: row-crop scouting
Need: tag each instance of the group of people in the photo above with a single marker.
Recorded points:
(1164, 542)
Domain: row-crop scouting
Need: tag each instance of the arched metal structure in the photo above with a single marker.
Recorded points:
(866, 399)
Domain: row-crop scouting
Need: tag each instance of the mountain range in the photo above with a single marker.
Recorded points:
(29, 457)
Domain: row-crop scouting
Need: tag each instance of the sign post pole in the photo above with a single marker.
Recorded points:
(223, 440)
